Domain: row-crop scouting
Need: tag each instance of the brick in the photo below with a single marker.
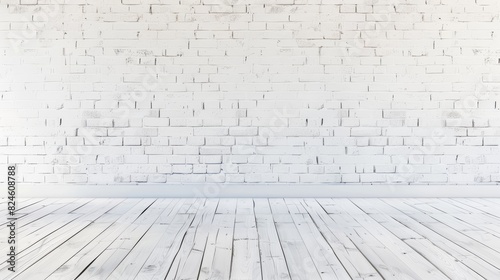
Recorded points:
(168, 93)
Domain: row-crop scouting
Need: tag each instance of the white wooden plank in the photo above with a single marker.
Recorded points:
(44, 211)
(50, 219)
(418, 263)
(422, 205)
(49, 257)
(278, 206)
(386, 261)
(37, 244)
(24, 213)
(294, 206)
(244, 206)
(479, 249)
(349, 255)
(78, 262)
(280, 211)
(157, 251)
(226, 206)
(488, 203)
(218, 252)
(246, 259)
(20, 203)
(324, 258)
(121, 255)
(460, 232)
(273, 262)
(480, 235)
(494, 200)
(329, 205)
(187, 204)
(159, 262)
(490, 209)
(456, 249)
(259, 239)
(481, 221)
(261, 206)
(186, 265)
(448, 264)
(300, 263)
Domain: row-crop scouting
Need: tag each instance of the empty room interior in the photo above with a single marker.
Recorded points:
(249, 140)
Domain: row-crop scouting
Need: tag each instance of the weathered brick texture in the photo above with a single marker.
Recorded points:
(291, 91)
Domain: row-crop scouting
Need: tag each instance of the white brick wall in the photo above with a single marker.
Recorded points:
(351, 91)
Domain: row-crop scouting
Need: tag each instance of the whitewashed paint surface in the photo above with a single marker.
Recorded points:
(194, 91)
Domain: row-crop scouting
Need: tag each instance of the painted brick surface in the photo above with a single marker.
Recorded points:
(290, 91)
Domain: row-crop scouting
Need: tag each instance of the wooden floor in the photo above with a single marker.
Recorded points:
(256, 239)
